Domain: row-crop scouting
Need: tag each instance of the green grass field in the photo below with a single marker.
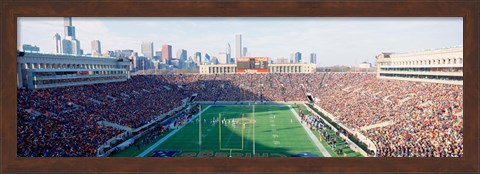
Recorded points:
(277, 134)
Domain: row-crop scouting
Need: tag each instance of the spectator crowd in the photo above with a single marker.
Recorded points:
(424, 119)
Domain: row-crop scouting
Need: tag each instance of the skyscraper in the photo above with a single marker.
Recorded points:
(238, 45)
(109, 54)
(166, 54)
(28, 47)
(214, 60)
(67, 46)
(58, 43)
(228, 52)
(198, 58)
(69, 29)
(207, 58)
(158, 56)
(222, 58)
(313, 58)
(123, 53)
(133, 59)
(298, 57)
(189, 63)
(147, 49)
(182, 57)
(96, 48)
(282, 60)
(244, 51)
(70, 44)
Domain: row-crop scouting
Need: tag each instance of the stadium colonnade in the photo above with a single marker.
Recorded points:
(40, 70)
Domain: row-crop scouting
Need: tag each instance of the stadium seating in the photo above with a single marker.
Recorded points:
(427, 118)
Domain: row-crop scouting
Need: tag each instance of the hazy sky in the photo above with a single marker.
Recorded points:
(336, 41)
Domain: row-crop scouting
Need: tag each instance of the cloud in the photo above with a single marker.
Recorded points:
(38, 31)
(335, 40)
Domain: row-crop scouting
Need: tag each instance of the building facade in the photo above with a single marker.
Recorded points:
(147, 49)
(58, 43)
(313, 58)
(143, 63)
(214, 60)
(298, 57)
(182, 57)
(365, 65)
(223, 58)
(69, 29)
(272, 68)
(207, 59)
(218, 69)
(166, 54)
(282, 60)
(96, 48)
(70, 44)
(71, 47)
(30, 48)
(158, 56)
(39, 70)
(123, 53)
(291, 68)
(158, 53)
(228, 52)
(176, 63)
(238, 46)
(198, 58)
(433, 66)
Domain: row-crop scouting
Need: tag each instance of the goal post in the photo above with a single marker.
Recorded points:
(241, 122)
(220, 134)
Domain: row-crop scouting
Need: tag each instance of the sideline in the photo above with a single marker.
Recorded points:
(352, 145)
(168, 136)
(309, 132)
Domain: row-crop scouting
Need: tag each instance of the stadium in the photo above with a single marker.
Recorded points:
(106, 112)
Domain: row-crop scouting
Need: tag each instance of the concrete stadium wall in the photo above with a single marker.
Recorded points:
(251, 102)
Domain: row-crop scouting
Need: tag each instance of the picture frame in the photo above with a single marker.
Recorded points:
(11, 10)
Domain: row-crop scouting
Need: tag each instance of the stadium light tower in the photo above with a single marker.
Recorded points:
(253, 129)
(200, 129)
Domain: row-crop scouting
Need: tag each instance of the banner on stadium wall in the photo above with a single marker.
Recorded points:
(243, 59)
(262, 70)
(261, 59)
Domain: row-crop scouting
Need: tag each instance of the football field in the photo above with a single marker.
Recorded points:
(238, 131)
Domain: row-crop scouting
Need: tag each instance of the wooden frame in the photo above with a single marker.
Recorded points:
(10, 10)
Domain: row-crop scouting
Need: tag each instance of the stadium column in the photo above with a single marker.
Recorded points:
(19, 75)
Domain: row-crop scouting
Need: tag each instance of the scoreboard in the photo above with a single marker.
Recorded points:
(252, 64)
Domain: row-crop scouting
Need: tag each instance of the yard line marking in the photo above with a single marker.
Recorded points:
(309, 132)
(168, 136)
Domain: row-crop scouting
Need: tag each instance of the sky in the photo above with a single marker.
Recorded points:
(335, 40)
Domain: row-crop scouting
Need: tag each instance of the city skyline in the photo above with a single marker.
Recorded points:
(336, 41)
